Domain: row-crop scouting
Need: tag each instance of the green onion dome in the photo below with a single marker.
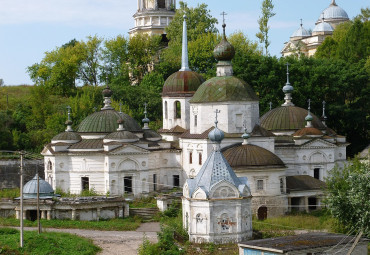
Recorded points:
(105, 121)
(182, 82)
(285, 118)
(223, 89)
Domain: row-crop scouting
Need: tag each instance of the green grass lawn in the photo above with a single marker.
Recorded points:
(126, 224)
(45, 243)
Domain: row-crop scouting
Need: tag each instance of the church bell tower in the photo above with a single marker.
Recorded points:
(153, 16)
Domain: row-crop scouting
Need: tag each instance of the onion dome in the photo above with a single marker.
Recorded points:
(300, 33)
(288, 89)
(308, 131)
(224, 89)
(323, 28)
(224, 51)
(216, 135)
(288, 118)
(333, 13)
(30, 189)
(184, 82)
(105, 121)
(248, 155)
(308, 117)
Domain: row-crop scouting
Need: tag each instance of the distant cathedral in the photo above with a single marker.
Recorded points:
(306, 42)
(153, 16)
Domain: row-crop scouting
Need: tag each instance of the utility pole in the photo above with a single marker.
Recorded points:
(21, 191)
(38, 203)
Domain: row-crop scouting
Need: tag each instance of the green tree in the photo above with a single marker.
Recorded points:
(199, 21)
(90, 64)
(349, 195)
(262, 35)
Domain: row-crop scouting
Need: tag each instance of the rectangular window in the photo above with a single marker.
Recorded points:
(259, 184)
(127, 182)
(85, 183)
(281, 185)
(176, 181)
(195, 120)
(200, 158)
(154, 182)
(316, 173)
(190, 158)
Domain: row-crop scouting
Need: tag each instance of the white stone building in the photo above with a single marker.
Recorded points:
(216, 204)
(285, 154)
(153, 16)
(303, 41)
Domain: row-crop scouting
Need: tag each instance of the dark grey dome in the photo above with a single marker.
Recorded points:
(30, 189)
(67, 137)
(151, 135)
(121, 136)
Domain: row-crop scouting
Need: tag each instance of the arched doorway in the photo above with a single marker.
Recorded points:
(262, 213)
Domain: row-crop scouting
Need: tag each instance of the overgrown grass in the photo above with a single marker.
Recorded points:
(126, 224)
(144, 202)
(287, 225)
(9, 193)
(45, 243)
(85, 193)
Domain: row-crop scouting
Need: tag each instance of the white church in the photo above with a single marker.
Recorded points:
(281, 158)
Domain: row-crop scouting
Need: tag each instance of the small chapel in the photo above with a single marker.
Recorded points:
(261, 165)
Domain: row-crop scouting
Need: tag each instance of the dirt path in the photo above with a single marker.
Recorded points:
(115, 242)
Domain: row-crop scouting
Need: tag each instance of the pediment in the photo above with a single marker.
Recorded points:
(128, 149)
(318, 143)
(47, 151)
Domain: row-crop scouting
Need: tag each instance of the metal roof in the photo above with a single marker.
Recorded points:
(323, 27)
(122, 136)
(224, 89)
(288, 118)
(333, 12)
(300, 32)
(303, 183)
(30, 188)
(224, 51)
(308, 131)
(182, 82)
(88, 144)
(105, 121)
(215, 169)
(249, 155)
(67, 136)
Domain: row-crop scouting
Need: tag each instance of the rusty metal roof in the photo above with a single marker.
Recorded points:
(308, 131)
(224, 89)
(182, 82)
(288, 118)
(249, 155)
(224, 51)
(303, 182)
(260, 131)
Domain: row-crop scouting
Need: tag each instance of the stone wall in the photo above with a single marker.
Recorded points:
(10, 170)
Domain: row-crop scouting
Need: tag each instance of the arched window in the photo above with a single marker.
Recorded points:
(165, 110)
(190, 158)
(50, 165)
(177, 110)
(200, 158)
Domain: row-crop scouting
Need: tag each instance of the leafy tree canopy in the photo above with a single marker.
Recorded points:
(349, 195)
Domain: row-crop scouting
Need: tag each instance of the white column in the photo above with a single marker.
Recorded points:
(73, 214)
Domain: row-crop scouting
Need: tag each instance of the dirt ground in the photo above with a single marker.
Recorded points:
(115, 242)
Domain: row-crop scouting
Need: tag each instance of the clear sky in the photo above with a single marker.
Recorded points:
(28, 28)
